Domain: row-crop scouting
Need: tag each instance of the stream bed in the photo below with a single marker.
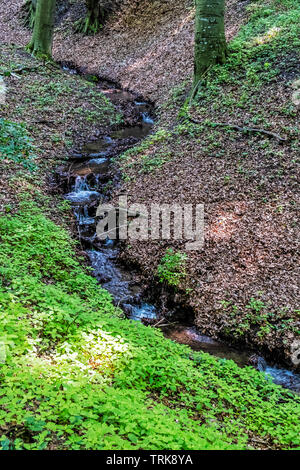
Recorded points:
(85, 178)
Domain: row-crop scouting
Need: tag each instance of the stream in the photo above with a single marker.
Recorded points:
(86, 177)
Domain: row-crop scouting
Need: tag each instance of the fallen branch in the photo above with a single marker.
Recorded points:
(242, 129)
(161, 320)
(44, 121)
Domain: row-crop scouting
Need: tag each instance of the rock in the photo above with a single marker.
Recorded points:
(127, 309)
(258, 362)
(82, 198)
(75, 155)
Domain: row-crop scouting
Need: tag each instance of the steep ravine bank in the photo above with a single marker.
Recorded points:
(91, 177)
(243, 286)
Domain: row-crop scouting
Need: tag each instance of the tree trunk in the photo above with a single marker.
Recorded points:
(94, 10)
(210, 42)
(97, 12)
(42, 37)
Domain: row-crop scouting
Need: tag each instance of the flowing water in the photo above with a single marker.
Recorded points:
(87, 173)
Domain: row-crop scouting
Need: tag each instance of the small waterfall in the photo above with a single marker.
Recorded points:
(81, 213)
(82, 216)
(82, 195)
(81, 184)
(147, 119)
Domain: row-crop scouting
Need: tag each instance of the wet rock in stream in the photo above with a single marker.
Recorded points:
(83, 198)
(117, 281)
(93, 166)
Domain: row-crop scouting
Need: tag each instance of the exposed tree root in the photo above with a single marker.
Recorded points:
(242, 129)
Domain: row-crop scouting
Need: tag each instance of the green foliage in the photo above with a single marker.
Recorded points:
(257, 316)
(148, 163)
(55, 95)
(145, 162)
(176, 96)
(159, 136)
(172, 268)
(15, 144)
(42, 272)
(75, 375)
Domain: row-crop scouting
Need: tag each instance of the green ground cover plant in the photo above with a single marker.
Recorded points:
(76, 375)
(171, 269)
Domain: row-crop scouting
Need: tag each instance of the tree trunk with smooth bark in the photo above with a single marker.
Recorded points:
(97, 12)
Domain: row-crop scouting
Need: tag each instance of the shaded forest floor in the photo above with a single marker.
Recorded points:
(145, 46)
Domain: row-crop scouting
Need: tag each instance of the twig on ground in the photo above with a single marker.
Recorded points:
(159, 321)
(44, 121)
(168, 324)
